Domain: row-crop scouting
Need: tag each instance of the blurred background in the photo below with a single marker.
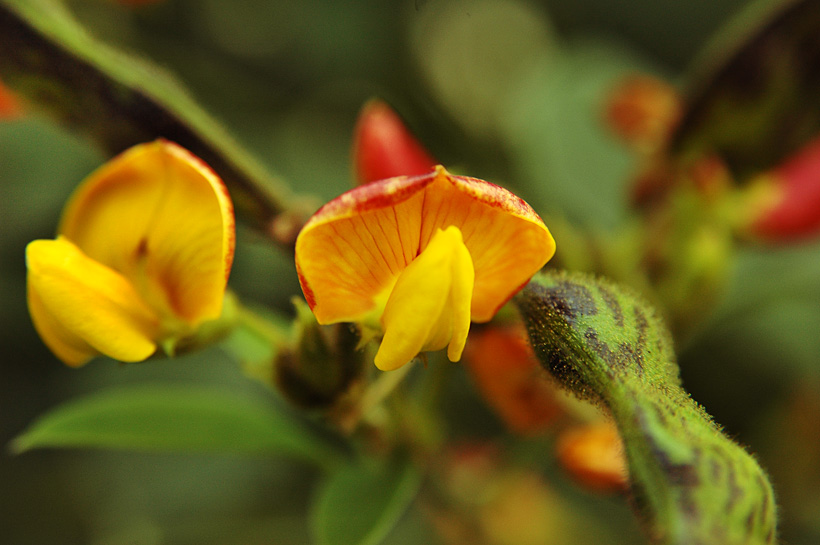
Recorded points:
(512, 91)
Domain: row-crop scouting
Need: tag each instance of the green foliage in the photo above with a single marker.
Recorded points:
(181, 419)
(770, 314)
(690, 482)
(360, 503)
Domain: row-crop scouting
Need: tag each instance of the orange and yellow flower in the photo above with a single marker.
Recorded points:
(417, 258)
(141, 260)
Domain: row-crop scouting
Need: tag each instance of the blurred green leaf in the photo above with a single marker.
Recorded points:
(768, 319)
(471, 54)
(180, 419)
(361, 503)
(753, 97)
(566, 159)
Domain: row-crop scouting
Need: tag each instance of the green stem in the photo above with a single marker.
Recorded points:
(268, 329)
(690, 483)
(383, 387)
(433, 387)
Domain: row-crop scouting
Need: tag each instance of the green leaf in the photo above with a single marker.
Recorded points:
(770, 313)
(690, 482)
(179, 419)
(361, 503)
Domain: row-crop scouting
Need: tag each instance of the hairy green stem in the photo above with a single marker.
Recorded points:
(122, 101)
(690, 483)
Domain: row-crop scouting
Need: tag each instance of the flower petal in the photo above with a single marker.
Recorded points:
(461, 295)
(82, 308)
(163, 219)
(67, 346)
(353, 249)
(429, 306)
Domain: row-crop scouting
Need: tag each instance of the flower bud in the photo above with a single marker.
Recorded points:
(10, 106)
(511, 380)
(384, 148)
(320, 363)
(784, 204)
(643, 110)
(593, 455)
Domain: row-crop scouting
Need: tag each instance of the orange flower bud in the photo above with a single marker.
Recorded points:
(384, 148)
(643, 110)
(711, 176)
(10, 106)
(511, 380)
(593, 456)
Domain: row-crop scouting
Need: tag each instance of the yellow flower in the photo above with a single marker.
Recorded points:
(418, 258)
(141, 260)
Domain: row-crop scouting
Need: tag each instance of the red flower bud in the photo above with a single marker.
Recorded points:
(786, 200)
(384, 148)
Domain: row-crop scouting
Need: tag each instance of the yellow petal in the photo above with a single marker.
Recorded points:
(429, 307)
(461, 296)
(160, 217)
(82, 308)
(67, 346)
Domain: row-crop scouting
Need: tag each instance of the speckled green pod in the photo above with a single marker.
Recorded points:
(690, 483)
